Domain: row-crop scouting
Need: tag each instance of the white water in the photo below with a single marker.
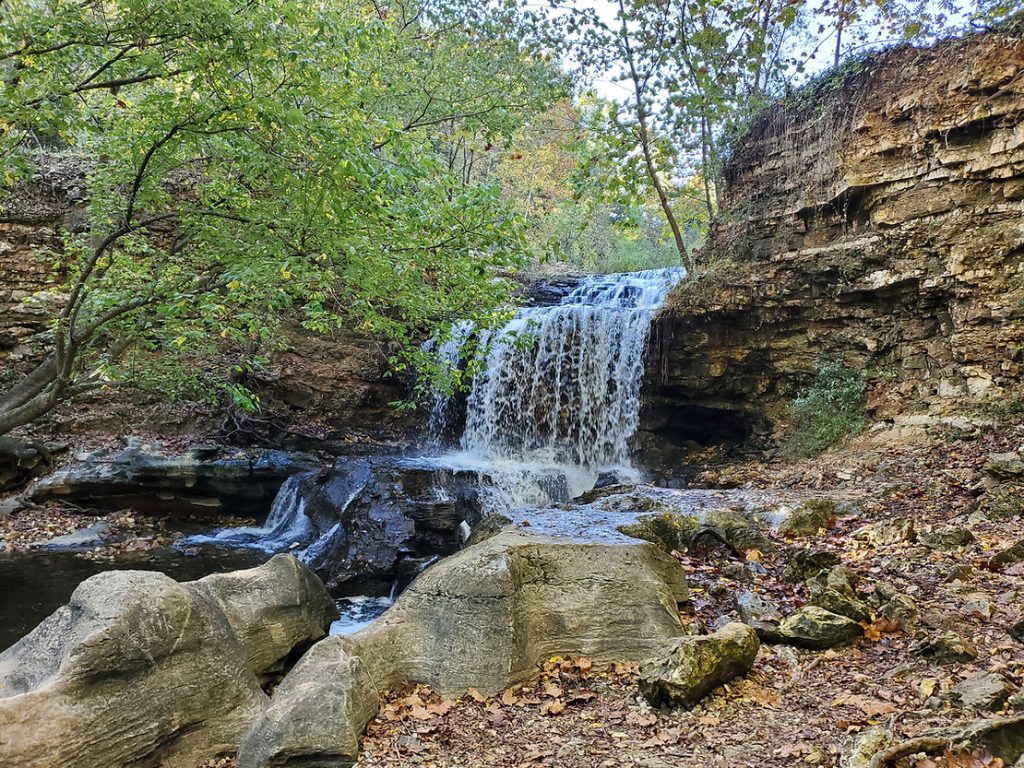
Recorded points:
(555, 400)
(558, 388)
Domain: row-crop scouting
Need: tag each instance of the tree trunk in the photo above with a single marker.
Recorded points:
(645, 144)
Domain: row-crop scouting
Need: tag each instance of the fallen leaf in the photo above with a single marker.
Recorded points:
(552, 708)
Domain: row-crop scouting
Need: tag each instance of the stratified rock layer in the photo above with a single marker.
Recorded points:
(878, 218)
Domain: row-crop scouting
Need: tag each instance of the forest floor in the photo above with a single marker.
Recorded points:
(797, 707)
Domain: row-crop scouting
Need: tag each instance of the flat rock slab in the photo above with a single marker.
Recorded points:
(148, 478)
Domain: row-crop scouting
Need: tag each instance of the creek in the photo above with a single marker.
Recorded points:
(553, 404)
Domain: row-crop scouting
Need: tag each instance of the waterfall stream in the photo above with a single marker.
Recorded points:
(558, 387)
(554, 402)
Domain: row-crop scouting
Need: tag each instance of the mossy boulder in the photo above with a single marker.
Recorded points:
(738, 528)
(691, 667)
(670, 531)
(946, 537)
(834, 591)
(810, 517)
(803, 563)
(815, 627)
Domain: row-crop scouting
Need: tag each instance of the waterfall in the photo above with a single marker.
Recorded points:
(559, 386)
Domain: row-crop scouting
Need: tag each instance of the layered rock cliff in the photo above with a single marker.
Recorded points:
(876, 216)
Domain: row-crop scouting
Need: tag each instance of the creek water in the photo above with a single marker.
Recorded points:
(36, 583)
(553, 404)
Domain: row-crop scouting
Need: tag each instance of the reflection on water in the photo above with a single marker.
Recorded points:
(32, 586)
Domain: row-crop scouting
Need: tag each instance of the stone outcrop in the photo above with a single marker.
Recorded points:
(876, 216)
(486, 618)
(149, 479)
(139, 670)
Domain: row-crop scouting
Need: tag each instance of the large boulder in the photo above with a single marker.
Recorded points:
(150, 479)
(139, 670)
(273, 610)
(320, 710)
(690, 667)
(484, 618)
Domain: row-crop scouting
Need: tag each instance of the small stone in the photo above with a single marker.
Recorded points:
(887, 532)
(946, 537)
(946, 647)
(1017, 631)
(809, 517)
(835, 593)
(803, 563)
(961, 572)
(986, 692)
(757, 613)
(814, 627)
(1009, 556)
(978, 605)
(895, 606)
(690, 667)
(864, 747)
(737, 572)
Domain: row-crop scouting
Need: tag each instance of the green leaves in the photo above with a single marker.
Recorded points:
(248, 162)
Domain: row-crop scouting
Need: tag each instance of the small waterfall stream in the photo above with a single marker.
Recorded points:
(558, 387)
(554, 402)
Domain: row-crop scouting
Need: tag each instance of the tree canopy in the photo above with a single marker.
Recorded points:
(251, 159)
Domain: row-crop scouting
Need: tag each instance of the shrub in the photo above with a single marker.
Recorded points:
(828, 413)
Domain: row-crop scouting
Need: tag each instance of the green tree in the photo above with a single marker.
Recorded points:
(248, 160)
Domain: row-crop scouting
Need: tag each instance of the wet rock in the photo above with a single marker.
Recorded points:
(690, 667)
(802, 563)
(760, 615)
(669, 530)
(814, 627)
(946, 647)
(810, 517)
(738, 529)
(274, 610)
(491, 525)
(450, 630)
(984, 692)
(140, 670)
(835, 592)
(946, 537)
(149, 479)
(887, 532)
(96, 535)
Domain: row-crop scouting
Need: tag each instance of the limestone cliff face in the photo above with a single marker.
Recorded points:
(878, 217)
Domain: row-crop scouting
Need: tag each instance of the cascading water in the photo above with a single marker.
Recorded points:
(558, 387)
(554, 402)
